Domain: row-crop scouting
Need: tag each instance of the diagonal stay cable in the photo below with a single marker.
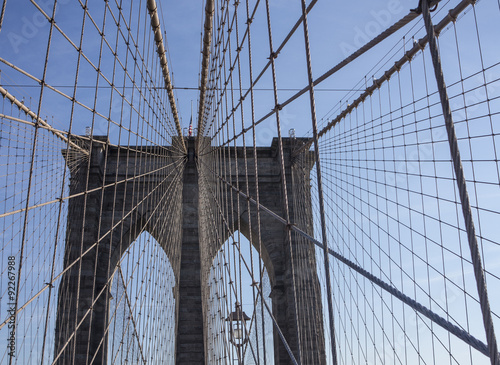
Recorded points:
(68, 340)
(418, 46)
(162, 198)
(268, 64)
(321, 199)
(382, 36)
(39, 121)
(90, 248)
(131, 313)
(282, 337)
(54, 201)
(462, 188)
(88, 108)
(442, 322)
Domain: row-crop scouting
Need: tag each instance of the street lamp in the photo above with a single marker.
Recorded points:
(237, 327)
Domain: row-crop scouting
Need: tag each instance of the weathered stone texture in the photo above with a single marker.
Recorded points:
(92, 214)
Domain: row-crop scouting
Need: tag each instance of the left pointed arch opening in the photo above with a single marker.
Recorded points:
(142, 305)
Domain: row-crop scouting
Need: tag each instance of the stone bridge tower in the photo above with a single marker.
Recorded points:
(125, 210)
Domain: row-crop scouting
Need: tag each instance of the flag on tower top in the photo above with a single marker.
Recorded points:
(190, 130)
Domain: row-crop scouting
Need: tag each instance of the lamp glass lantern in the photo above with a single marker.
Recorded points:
(237, 326)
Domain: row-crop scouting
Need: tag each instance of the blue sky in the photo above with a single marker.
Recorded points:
(336, 28)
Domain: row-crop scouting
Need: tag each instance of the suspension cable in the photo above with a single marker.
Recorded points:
(155, 24)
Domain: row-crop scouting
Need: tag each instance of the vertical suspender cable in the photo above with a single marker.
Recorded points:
(31, 174)
(462, 187)
(284, 188)
(326, 255)
(39, 122)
